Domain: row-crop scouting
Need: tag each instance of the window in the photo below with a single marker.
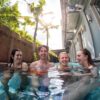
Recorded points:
(97, 5)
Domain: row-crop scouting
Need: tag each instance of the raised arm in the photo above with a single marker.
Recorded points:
(25, 67)
(32, 67)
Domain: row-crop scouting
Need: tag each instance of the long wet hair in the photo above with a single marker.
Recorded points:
(12, 55)
(88, 54)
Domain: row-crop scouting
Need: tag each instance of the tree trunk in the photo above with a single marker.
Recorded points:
(35, 34)
(47, 37)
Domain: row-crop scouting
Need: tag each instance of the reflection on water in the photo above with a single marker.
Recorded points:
(22, 86)
(17, 87)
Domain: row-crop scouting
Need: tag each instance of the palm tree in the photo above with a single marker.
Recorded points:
(45, 27)
(9, 15)
(36, 10)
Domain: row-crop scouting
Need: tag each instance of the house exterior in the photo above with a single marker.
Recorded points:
(82, 26)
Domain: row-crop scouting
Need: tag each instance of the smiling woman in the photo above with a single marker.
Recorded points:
(88, 81)
(11, 81)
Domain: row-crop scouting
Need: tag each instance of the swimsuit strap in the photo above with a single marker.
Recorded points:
(12, 69)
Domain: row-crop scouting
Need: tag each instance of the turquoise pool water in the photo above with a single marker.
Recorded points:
(20, 87)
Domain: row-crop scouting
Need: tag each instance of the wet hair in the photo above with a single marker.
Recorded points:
(39, 48)
(88, 54)
(13, 54)
(11, 61)
(63, 52)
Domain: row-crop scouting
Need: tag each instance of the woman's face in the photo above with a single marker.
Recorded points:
(18, 57)
(81, 58)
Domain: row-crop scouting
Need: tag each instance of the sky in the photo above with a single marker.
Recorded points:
(55, 41)
(55, 37)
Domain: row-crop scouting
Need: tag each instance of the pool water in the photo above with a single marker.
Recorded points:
(21, 87)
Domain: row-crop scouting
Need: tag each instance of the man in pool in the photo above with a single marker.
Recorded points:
(40, 68)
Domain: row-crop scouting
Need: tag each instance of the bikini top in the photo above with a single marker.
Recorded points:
(18, 69)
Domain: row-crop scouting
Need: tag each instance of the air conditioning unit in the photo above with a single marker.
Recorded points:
(79, 7)
(70, 9)
(74, 8)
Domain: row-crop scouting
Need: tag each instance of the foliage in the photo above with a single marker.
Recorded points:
(3, 3)
(36, 10)
(73, 2)
(45, 27)
(8, 16)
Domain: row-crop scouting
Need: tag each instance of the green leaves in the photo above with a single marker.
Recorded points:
(73, 2)
(41, 3)
(3, 3)
(9, 16)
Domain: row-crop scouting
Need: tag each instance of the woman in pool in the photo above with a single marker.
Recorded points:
(16, 62)
(88, 81)
(11, 80)
(17, 68)
(84, 58)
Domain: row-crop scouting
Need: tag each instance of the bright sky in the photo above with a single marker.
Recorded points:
(55, 39)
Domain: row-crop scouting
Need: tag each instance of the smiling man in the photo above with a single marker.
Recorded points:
(40, 68)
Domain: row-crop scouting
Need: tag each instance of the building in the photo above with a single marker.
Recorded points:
(81, 26)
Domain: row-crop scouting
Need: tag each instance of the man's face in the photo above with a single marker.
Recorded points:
(63, 59)
(81, 58)
(43, 53)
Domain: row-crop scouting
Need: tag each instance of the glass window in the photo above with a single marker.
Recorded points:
(97, 5)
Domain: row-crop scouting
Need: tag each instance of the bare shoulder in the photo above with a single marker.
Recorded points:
(33, 64)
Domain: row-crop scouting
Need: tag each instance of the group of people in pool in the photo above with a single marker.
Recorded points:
(31, 82)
